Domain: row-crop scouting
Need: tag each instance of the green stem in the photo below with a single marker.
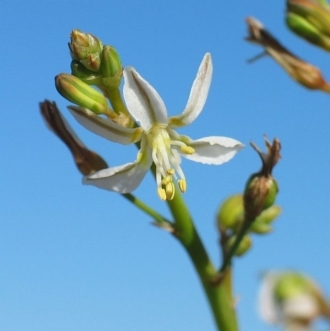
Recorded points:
(116, 101)
(148, 210)
(118, 105)
(228, 257)
(219, 295)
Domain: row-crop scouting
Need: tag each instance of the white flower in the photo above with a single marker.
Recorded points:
(159, 143)
(290, 298)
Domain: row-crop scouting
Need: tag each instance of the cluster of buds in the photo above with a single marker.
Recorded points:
(94, 63)
(255, 207)
(230, 218)
(310, 19)
(291, 299)
(98, 65)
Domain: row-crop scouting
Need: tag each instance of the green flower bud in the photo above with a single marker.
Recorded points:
(90, 78)
(231, 212)
(80, 93)
(260, 193)
(261, 188)
(243, 246)
(269, 214)
(310, 20)
(86, 49)
(111, 67)
(261, 225)
(260, 228)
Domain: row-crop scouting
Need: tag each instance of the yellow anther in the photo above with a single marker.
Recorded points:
(161, 193)
(170, 191)
(182, 185)
(170, 172)
(166, 180)
(187, 150)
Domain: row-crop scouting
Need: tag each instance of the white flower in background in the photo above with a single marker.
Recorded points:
(291, 299)
(159, 143)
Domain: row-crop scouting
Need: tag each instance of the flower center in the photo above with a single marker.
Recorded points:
(167, 161)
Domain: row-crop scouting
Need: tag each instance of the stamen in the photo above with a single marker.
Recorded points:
(167, 160)
(161, 193)
(182, 185)
(170, 190)
(170, 172)
(187, 150)
(166, 180)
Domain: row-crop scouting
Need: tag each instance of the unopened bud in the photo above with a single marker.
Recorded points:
(80, 93)
(261, 189)
(310, 20)
(261, 225)
(111, 67)
(86, 48)
(231, 212)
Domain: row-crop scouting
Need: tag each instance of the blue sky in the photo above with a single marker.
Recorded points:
(74, 257)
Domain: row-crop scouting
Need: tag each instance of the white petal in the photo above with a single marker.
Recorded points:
(125, 178)
(301, 306)
(105, 127)
(122, 179)
(267, 305)
(198, 94)
(213, 150)
(142, 100)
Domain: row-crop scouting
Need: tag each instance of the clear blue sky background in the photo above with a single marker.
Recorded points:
(73, 257)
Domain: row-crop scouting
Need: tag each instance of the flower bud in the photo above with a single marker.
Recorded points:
(261, 189)
(111, 67)
(90, 78)
(80, 93)
(243, 246)
(231, 212)
(86, 49)
(261, 225)
(86, 160)
(260, 193)
(310, 20)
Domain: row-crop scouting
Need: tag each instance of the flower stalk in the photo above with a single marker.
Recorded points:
(219, 295)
